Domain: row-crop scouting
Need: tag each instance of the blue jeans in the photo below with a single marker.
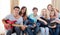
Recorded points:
(44, 30)
(29, 30)
(54, 31)
(59, 29)
(9, 32)
(17, 31)
(36, 30)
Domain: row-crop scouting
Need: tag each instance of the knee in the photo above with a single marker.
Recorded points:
(42, 29)
(28, 28)
(17, 29)
(47, 28)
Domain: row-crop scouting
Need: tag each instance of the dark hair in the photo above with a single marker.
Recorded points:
(49, 5)
(35, 8)
(21, 11)
(16, 7)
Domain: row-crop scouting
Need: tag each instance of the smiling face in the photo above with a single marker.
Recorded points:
(52, 13)
(49, 7)
(16, 11)
(23, 10)
(44, 12)
(35, 10)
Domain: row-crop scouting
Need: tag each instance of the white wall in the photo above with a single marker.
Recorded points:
(40, 4)
(4, 10)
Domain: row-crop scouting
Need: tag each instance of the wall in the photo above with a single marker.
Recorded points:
(14, 3)
(56, 4)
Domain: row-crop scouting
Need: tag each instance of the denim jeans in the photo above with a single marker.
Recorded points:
(17, 31)
(59, 28)
(36, 30)
(30, 32)
(44, 30)
(9, 32)
(30, 26)
(28, 29)
(54, 31)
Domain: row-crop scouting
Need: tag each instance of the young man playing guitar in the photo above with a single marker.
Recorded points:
(14, 17)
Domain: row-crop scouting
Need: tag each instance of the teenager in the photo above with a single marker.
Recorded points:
(33, 18)
(27, 30)
(23, 11)
(50, 7)
(58, 17)
(55, 29)
(43, 25)
(18, 25)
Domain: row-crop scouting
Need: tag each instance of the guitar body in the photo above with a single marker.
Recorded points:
(8, 24)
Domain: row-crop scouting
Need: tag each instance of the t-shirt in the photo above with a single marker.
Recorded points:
(54, 19)
(34, 18)
(42, 23)
(12, 18)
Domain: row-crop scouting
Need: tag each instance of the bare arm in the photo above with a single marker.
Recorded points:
(42, 20)
(17, 25)
(3, 21)
(58, 21)
(56, 13)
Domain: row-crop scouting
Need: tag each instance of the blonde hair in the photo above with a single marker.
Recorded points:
(47, 13)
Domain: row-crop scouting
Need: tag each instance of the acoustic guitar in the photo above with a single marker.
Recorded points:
(8, 24)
